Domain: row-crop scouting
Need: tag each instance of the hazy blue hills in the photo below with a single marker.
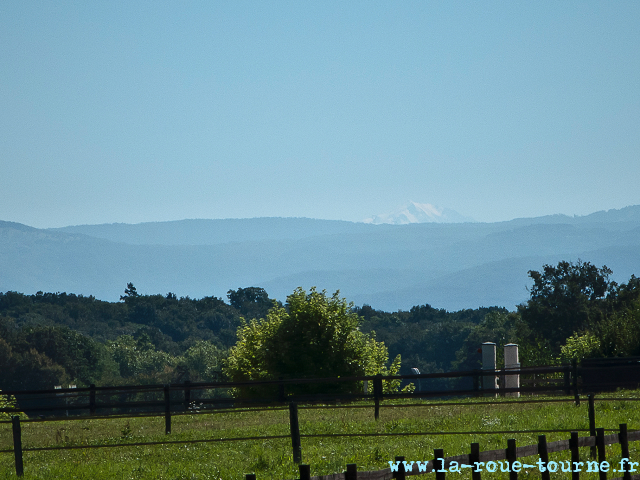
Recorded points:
(453, 266)
(213, 232)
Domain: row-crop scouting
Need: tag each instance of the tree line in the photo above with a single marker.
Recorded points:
(47, 339)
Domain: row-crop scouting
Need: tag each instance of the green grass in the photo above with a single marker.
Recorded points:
(272, 459)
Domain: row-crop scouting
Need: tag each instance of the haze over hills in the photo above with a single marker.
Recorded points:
(447, 265)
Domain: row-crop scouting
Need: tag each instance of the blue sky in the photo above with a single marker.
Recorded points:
(148, 111)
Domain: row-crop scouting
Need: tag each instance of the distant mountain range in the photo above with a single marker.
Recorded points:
(413, 212)
(390, 267)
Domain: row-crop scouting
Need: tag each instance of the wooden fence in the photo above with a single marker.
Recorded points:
(94, 400)
(177, 399)
(505, 460)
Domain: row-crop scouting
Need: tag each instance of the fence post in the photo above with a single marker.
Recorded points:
(305, 471)
(250, 476)
(377, 393)
(400, 474)
(592, 422)
(92, 399)
(567, 380)
(187, 394)
(17, 445)
(512, 363)
(624, 447)
(438, 463)
(167, 410)
(574, 378)
(295, 432)
(511, 458)
(489, 363)
(476, 383)
(281, 395)
(474, 457)
(544, 455)
(352, 472)
(601, 450)
(575, 454)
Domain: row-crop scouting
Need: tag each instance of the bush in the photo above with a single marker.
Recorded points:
(316, 336)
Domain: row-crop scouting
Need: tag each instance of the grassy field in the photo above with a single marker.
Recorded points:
(272, 459)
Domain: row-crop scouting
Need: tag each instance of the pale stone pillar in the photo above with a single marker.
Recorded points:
(415, 371)
(489, 382)
(511, 362)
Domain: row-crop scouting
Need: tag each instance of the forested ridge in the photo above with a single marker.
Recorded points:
(48, 339)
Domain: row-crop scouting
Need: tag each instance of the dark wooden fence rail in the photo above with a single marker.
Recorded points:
(93, 400)
(180, 396)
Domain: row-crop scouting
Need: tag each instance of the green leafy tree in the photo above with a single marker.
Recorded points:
(204, 361)
(565, 299)
(579, 347)
(83, 358)
(36, 371)
(619, 332)
(129, 292)
(251, 302)
(139, 357)
(28, 370)
(499, 327)
(316, 336)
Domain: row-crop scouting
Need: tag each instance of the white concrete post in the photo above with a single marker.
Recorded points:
(415, 371)
(511, 362)
(489, 382)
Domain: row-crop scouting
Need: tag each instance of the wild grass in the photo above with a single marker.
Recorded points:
(272, 459)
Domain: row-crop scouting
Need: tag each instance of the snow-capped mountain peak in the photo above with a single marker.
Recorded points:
(413, 212)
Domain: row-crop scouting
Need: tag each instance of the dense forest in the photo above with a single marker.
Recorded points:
(48, 339)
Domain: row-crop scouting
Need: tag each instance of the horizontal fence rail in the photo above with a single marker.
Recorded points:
(184, 396)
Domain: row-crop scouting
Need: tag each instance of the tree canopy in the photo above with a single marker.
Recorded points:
(315, 336)
(565, 299)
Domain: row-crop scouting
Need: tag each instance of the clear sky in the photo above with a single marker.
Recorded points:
(146, 111)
